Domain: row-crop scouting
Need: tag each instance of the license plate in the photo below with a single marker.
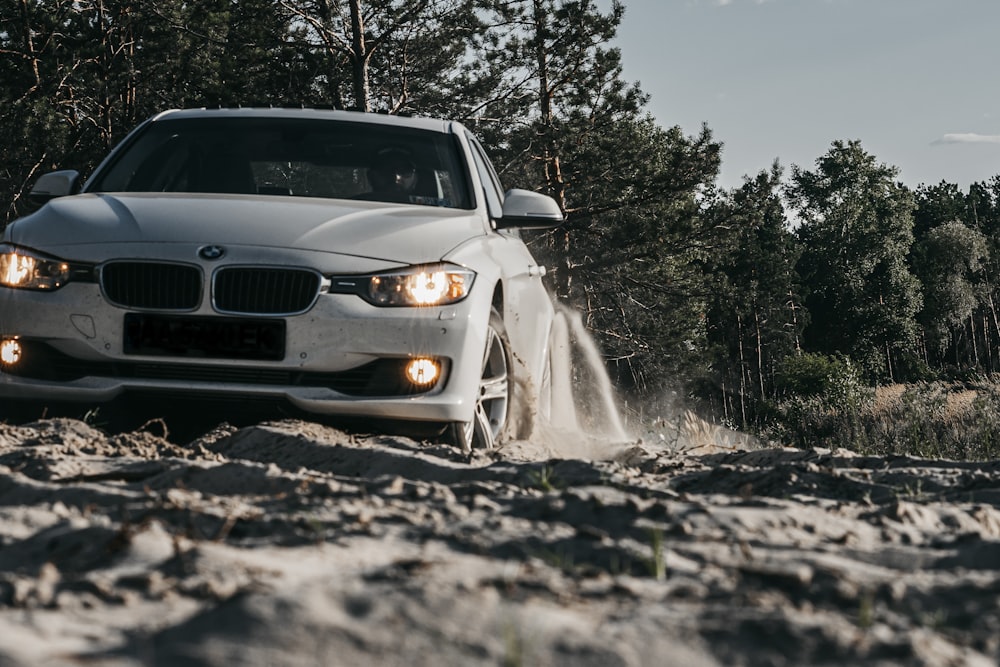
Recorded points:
(207, 337)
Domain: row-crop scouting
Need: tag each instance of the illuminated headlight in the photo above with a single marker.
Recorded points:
(423, 372)
(10, 352)
(427, 285)
(26, 269)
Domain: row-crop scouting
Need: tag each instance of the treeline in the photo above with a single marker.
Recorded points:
(734, 294)
(840, 276)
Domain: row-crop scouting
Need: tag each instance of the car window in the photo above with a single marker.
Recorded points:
(296, 157)
(492, 189)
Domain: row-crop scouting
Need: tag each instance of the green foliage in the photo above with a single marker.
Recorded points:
(78, 75)
(756, 316)
(390, 56)
(543, 479)
(810, 421)
(956, 258)
(834, 378)
(657, 564)
(934, 420)
(561, 119)
(634, 251)
(948, 260)
(821, 397)
(856, 234)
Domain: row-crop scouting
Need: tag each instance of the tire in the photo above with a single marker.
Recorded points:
(489, 426)
(531, 403)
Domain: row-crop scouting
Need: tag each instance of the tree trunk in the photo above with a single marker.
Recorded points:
(795, 322)
(975, 343)
(552, 169)
(760, 352)
(107, 62)
(993, 313)
(743, 371)
(987, 344)
(332, 77)
(359, 59)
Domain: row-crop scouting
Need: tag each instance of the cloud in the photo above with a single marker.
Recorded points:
(967, 138)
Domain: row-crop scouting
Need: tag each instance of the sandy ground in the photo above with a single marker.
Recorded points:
(292, 543)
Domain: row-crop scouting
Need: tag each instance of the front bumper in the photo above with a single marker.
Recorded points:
(339, 338)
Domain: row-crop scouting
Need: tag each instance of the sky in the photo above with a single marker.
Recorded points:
(916, 81)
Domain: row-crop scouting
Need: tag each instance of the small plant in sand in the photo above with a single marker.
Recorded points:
(94, 418)
(543, 479)
(561, 558)
(658, 560)
(911, 491)
(866, 610)
(514, 648)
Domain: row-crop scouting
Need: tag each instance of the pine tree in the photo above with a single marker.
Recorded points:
(549, 98)
(78, 75)
(391, 56)
(756, 318)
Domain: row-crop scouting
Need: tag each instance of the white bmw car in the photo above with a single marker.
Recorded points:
(340, 263)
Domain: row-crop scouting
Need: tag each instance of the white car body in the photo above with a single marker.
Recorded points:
(80, 328)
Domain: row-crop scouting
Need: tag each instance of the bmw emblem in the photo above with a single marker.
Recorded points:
(211, 252)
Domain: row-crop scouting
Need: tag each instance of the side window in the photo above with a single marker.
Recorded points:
(492, 189)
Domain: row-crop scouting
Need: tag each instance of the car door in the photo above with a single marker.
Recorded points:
(528, 308)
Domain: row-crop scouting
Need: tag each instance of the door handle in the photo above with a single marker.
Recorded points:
(536, 271)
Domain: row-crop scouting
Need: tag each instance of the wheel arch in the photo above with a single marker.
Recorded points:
(498, 301)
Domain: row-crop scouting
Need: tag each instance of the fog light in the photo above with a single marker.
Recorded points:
(10, 352)
(423, 372)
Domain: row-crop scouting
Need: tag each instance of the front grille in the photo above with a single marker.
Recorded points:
(152, 285)
(383, 377)
(265, 291)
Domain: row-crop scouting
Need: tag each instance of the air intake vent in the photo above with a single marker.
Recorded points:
(152, 285)
(265, 291)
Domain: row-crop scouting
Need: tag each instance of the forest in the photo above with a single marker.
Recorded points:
(765, 305)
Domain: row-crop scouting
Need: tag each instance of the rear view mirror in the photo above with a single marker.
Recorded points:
(525, 209)
(55, 184)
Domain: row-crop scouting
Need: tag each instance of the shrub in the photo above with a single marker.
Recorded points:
(933, 420)
(834, 380)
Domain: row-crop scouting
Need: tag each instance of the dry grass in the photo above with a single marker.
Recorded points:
(959, 400)
(936, 419)
(698, 436)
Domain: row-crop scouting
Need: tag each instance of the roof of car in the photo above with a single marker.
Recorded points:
(433, 124)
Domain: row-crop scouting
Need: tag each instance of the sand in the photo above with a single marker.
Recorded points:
(293, 543)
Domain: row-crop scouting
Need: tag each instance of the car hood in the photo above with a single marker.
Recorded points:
(408, 234)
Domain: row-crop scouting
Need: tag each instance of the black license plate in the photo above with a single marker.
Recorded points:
(208, 337)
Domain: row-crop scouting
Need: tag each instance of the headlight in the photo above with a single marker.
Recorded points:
(428, 285)
(26, 269)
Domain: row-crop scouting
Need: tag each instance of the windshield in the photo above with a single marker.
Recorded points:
(292, 157)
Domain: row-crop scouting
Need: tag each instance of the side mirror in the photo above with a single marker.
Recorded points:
(55, 184)
(525, 209)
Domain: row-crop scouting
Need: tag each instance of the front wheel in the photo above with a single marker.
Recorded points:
(489, 422)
